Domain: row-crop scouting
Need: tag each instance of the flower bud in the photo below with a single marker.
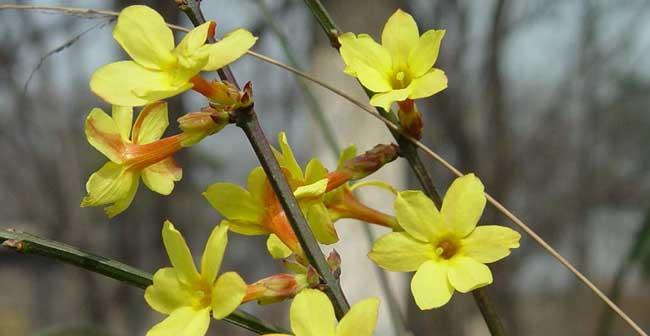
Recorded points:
(276, 288)
(334, 261)
(367, 163)
(410, 118)
(198, 125)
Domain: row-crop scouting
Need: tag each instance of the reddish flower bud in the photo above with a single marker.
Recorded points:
(198, 125)
(410, 118)
(276, 288)
(369, 162)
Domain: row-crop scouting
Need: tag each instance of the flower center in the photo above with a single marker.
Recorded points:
(202, 295)
(446, 248)
(401, 80)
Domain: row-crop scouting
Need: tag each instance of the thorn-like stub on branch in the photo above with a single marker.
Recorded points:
(182, 4)
(15, 244)
(334, 38)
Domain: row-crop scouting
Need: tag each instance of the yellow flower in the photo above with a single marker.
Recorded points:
(401, 67)
(188, 296)
(133, 153)
(445, 248)
(158, 69)
(312, 314)
(257, 211)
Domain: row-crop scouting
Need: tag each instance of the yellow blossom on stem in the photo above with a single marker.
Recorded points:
(188, 296)
(445, 248)
(159, 69)
(134, 151)
(399, 68)
(257, 211)
(312, 313)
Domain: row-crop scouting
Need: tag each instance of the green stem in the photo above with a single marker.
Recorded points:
(488, 311)
(246, 119)
(30, 244)
(409, 151)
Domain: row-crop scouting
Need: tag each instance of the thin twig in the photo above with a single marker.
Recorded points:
(62, 47)
(247, 121)
(30, 244)
(394, 128)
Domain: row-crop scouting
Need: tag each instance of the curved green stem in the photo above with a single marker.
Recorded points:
(30, 244)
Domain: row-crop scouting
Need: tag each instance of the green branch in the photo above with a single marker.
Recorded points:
(410, 153)
(246, 119)
(29, 244)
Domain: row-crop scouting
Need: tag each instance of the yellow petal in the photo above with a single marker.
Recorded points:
(103, 134)
(367, 60)
(417, 214)
(179, 254)
(194, 40)
(123, 117)
(168, 86)
(386, 99)
(151, 123)
(430, 287)
(399, 252)
(425, 53)
(463, 204)
(429, 84)
(276, 247)
(143, 34)
(233, 202)
(321, 224)
(123, 203)
(315, 171)
(229, 49)
(184, 321)
(362, 49)
(257, 183)
(107, 185)
(213, 253)
(167, 293)
(227, 294)
(286, 159)
(246, 228)
(489, 243)
(399, 37)
(467, 274)
(160, 177)
(315, 189)
(346, 154)
(360, 320)
(128, 84)
(312, 314)
(371, 78)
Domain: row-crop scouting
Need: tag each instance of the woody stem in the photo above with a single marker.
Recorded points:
(246, 119)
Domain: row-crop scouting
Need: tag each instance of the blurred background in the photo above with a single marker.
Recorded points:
(547, 103)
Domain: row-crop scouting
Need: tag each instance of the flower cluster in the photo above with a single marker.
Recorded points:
(444, 246)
